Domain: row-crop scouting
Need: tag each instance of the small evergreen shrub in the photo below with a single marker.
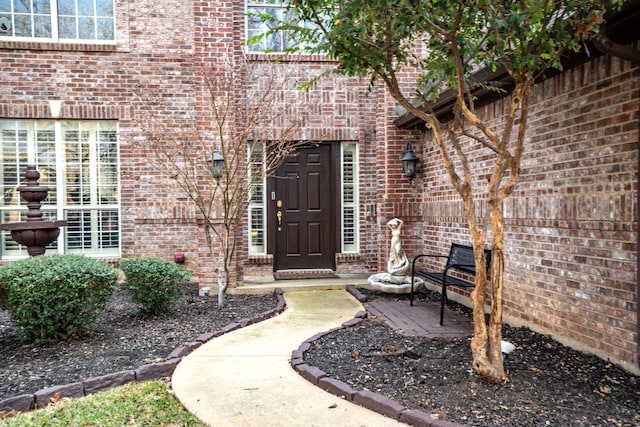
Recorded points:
(154, 283)
(54, 297)
(4, 292)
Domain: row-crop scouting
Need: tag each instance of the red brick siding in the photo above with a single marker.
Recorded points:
(161, 50)
(101, 82)
(396, 197)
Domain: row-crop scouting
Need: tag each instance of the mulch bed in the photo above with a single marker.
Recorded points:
(119, 340)
(550, 383)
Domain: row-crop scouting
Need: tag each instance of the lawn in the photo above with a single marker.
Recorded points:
(136, 404)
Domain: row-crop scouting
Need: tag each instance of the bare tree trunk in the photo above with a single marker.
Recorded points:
(483, 362)
(497, 284)
(221, 289)
(486, 341)
(223, 284)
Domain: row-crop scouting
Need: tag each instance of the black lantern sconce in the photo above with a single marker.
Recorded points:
(215, 162)
(409, 162)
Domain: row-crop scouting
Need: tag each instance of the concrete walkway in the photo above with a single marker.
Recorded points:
(244, 378)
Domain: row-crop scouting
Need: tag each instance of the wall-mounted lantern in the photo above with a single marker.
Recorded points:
(216, 162)
(409, 162)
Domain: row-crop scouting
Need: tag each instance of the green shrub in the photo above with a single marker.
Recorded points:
(4, 292)
(54, 297)
(154, 283)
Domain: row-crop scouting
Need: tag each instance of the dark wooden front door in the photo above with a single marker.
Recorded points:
(303, 205)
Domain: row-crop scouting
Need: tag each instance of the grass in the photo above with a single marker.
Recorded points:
(136, 404)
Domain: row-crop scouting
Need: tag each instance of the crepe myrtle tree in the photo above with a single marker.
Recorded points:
(253, 120)
(446, 45)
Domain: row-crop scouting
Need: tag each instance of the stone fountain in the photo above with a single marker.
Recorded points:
(35, 233)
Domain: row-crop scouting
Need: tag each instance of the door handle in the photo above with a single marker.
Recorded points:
(279, 215)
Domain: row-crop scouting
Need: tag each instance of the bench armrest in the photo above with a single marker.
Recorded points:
(413, 270)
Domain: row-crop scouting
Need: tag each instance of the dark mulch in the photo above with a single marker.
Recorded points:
(119, 340)
(550, 384)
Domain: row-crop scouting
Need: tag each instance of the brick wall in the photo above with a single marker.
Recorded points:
(396, 197)
(571, 224)
(99, 82)
(153, 75)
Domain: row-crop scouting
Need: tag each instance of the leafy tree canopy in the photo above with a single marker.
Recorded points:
(380, 38)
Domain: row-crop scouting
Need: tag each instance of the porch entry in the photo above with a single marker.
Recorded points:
(302, 205)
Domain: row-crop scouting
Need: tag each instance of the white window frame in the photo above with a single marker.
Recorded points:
(260, 6)
(349, 206)
(253, 7)
(8, 18)
(257, 205)
(60, 205)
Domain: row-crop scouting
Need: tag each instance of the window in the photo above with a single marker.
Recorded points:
(78, 161)
(58, 20)
(263, 15)
(257, 200)
(349, 167)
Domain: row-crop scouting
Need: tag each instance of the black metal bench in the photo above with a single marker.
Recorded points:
(460, 258)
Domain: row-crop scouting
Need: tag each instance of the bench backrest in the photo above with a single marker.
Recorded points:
(463, 254)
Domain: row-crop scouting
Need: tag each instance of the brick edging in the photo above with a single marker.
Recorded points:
(41, 398)
(370, 400)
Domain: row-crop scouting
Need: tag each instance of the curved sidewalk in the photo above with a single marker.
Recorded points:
(244, 378)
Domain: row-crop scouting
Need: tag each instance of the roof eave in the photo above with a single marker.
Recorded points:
(620, 26)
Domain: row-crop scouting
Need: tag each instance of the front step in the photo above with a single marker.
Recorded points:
(256, 285)
(295, 274)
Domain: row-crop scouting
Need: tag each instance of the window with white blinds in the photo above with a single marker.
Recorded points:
(79, 162)
(349, 181)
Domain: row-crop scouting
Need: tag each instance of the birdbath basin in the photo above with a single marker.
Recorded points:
(34, 233)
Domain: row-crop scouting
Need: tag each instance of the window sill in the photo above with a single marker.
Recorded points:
(281, 57)
(260, 259)
(75, 47)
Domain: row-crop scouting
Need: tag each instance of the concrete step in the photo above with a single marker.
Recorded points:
(262, 284)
